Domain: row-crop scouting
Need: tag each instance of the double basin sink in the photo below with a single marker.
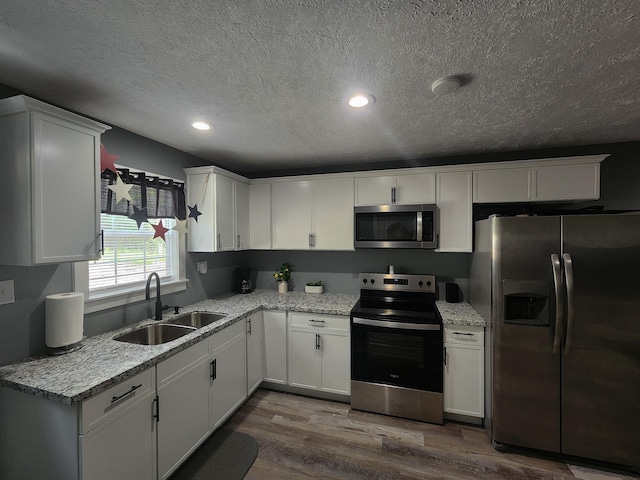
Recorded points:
(159, 333)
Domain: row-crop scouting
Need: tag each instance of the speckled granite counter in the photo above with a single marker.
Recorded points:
(103, 362)
(459, 314)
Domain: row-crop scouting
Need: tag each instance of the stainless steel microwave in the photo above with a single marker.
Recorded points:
(396, 226)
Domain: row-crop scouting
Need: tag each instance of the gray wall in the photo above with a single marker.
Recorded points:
(22, 322)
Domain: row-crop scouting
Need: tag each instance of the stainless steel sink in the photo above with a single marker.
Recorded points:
(197, 319)
(155, 334)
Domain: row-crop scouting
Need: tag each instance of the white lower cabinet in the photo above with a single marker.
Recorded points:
(228, 372)
(123, 448)
(183, 406)
(255, 352)
(275, 346)
(319, 352)
(464, 370)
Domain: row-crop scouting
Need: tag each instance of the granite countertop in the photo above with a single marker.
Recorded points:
(103, 362)
(459, 314)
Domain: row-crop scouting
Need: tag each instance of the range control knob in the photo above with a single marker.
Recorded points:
(364, 280)
(420, 283)
(428, 283)
(373, 281)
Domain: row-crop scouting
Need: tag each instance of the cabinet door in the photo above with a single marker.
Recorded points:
(464, 380)
(124, 447)
(66, 224)
(455, 211)
(275, 346)
(304, 359)
(242, 216)
(260, 216)
(228, 379)
(183, 395)
(200, 193)
(416, 189)
(292, 206)
(568, 182)
(333, 214)
(255, 344)
(502, 185)
(374, 190)
(225, 208)
(336, 363)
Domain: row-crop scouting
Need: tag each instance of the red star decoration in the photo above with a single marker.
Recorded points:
(107, 161)
(160, 230)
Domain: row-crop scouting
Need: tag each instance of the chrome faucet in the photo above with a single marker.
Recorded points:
(158, 298)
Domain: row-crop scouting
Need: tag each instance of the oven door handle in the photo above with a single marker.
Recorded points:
(401, 325)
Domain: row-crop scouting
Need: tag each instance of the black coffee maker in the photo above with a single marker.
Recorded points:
(241, 280)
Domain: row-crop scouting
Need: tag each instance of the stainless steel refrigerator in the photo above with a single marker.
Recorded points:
(561, 296)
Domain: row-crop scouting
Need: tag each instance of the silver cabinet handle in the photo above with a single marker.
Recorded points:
(393, 194)
(218, 237)
(321, 322)
(463, 333)
(238, 242)
(568, 273)
(249, 325)
(317, 341)
(312, 240)
(214, 369)
(558, 286)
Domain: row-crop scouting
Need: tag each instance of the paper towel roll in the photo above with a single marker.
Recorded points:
(64, 319)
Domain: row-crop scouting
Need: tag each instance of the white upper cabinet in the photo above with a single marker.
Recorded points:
(313, 214)
(51, 187)
(401, 189)
(455, 211)
(222, 198)
(260, 216)
(561, 179)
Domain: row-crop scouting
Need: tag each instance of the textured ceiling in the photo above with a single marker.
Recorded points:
(273, 76)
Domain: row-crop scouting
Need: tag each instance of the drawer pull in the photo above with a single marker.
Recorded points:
(125, 395)
(463, 333)
(321, 322)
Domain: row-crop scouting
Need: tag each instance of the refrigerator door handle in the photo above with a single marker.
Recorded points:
(568, 272)
(558, 285)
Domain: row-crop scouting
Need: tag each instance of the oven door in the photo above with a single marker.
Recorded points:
(397, 353)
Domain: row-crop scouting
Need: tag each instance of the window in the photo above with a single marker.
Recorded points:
(130, 253)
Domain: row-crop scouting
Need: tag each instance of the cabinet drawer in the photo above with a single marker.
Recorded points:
(334, 322)
(108, 404)
(227, 334)
(464, 335)
(176, 365)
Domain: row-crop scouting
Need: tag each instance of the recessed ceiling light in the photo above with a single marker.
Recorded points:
(445, 85)
(201, 126)
(361, 100)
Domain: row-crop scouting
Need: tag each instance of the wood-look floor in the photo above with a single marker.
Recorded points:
(302, 438)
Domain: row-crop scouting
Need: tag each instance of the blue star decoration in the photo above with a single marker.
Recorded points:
(139, 215)
(193, 212)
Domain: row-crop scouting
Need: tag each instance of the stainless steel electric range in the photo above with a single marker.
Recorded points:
(397, 347)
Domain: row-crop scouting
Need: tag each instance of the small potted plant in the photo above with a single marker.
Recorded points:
(314, 287)
(282, 276)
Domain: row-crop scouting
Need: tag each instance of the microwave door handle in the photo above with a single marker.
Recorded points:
(558, 287)
(568, 272)
(419, 226)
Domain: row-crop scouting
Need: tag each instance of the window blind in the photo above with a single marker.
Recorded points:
(131, 254)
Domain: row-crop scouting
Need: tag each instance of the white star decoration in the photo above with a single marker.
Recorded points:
(121, 190)
(181, 226)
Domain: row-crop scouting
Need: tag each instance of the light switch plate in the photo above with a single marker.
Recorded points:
(6, 292)
(202, 267)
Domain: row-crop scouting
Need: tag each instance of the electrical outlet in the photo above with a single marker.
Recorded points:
(202, 267)
(6, 292)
